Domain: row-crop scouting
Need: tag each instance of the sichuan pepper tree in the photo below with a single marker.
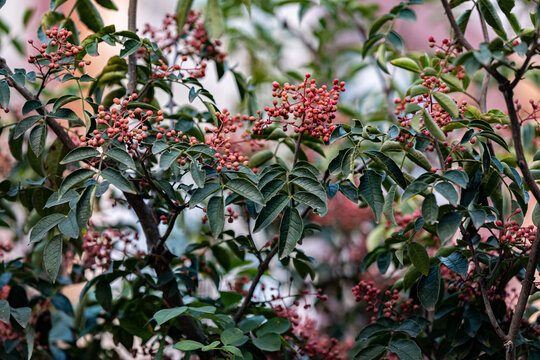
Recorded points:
(448, 183)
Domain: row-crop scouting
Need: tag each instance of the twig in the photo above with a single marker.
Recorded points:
(132, 59)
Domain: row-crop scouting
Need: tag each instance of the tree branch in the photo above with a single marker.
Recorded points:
(132, 59)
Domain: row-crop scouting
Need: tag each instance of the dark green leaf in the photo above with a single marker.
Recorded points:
(25, 124)
(104, 294)
(419, 257)
(370, 191)
(406, 349)
(428, 288)
(272, 209)
(116, 178)
(430, 210)
(188, 345)
(44, 225)
(268, 342)
(107, 4)
(202, 193)
(231, 335)
(4, 94)
(73, 179)
(162, 316)
(447, 190)
(30, 106)
(290, 231)
(490, 15)
(122, 157)
(448, 225)
(37, 139)
(85, 206)
(246, 189)
(182, 11)
(198, 174)
(80, 153)
(216, 215)
(21, 315)
(52, 256)
(388, 208)
(4, 311)
(311, 186)
(89, 15)
(456, 262)
(312, 201)
(276, 325)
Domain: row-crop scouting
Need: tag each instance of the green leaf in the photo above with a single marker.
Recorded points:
(406, 349)
(89, 15)
(37, 139)
(188, 345)
(419, 257)
(406, 63)
(211, 346)
(268, 342)
(202, 193)
(270, 189)
(456, 262)
(246, 189)
(388, 207)
(272, 209)
(79, 154)
(162, 316)
(463, 21)
(312, 201)
(311, 186)
(432, 127)
(260, 158)
(4, 311)
(107, 4)
(130, 47)
(216, 215)
(458, 177)
(392, 169)
(52, 256)
(290, 231)
(428, 288)
(116, 178)
(182, 11)
(448, 191)
(21, 315)
(448, 225)
(371, 192)
(198, 174)
(231, 335)
(69, 226)
(371, 353)
(4, 94)
(447, 104)
(492, 18)
(275, 325)
(44, 225)
(73, 179)
(430, 210)
(25, 124)
(85, 206)
(104, 294)
(122, 157)
(168, 157)
(30, 106)
(215, 16)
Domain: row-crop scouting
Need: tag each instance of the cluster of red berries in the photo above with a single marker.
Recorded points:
(229, 154)
(307, 108)
(308, 340)
(447, 50)
(230, 215)
(192, 43)
(63, 55)
(389, 303)
(511, 232)
(98, 246)
(529, 115)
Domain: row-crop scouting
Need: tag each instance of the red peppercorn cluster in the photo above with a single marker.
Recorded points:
(447, 51)
(58, 53)
(192, 44)
(533, 114)
(305, 107)
(516, 235)
(228, 154)
(389, 303)
(308, 340)
(98, 246)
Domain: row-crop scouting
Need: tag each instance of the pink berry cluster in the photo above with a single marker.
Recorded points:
(309, 341)
(529, 115)
(512, 233)
(99, 245)
(58, 52)
(229, 154)
(447, 50)
(192, 44)
(305, 107)
(388, 302)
